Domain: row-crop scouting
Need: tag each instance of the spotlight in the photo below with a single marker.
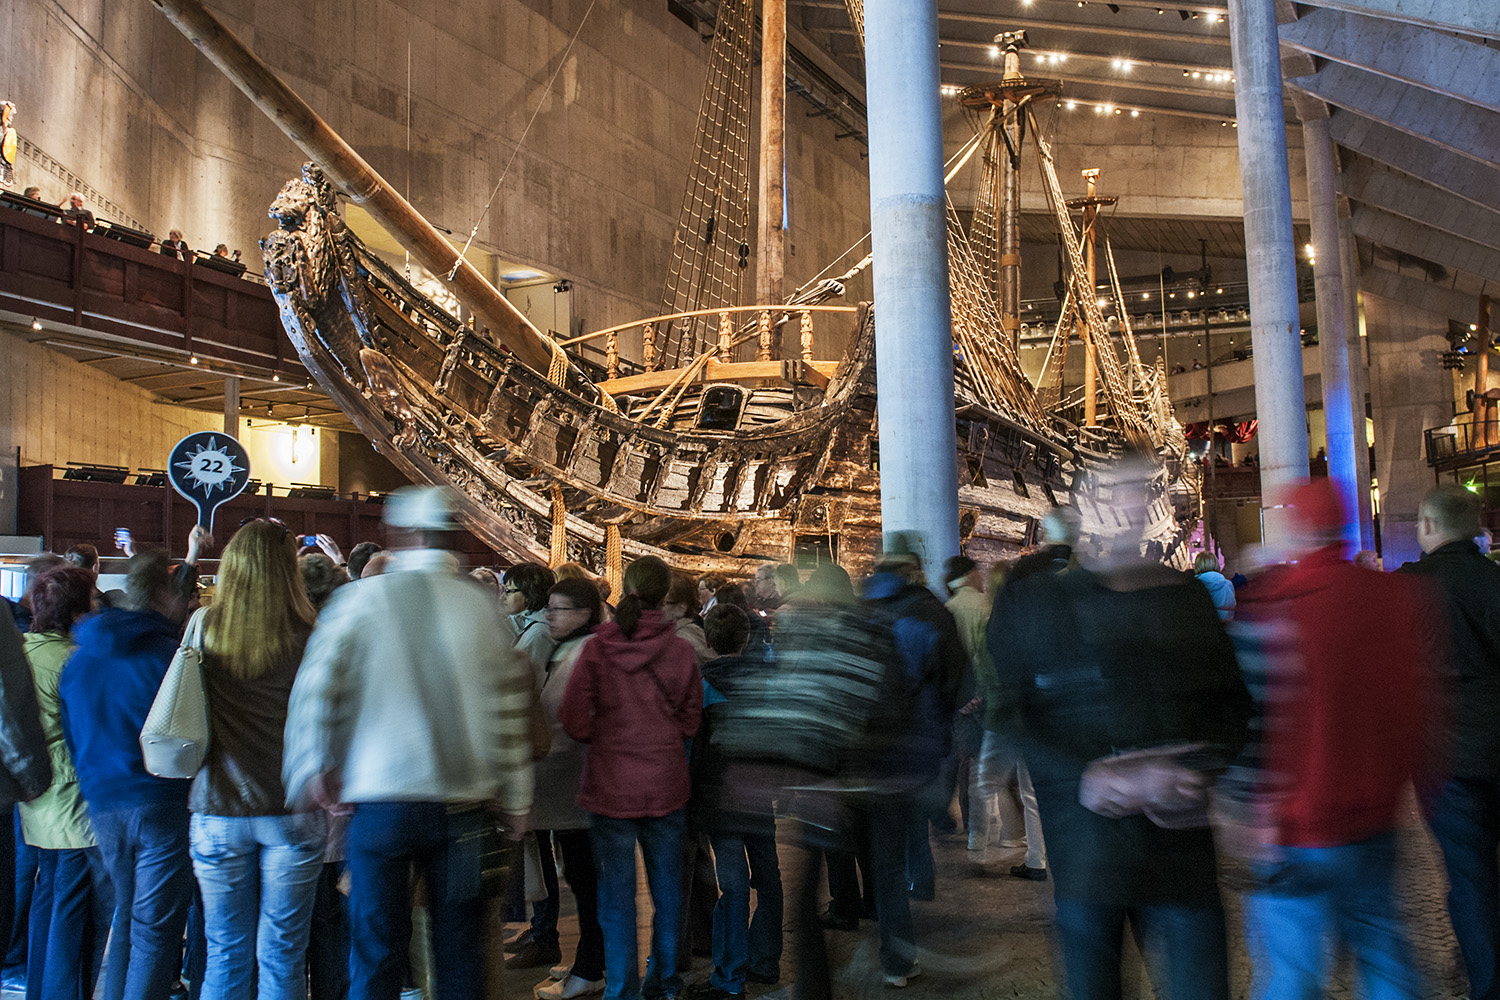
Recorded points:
(1192, 294)
(1160, 10)
(269, 411)
(1145, 296)
(994, 52)
(193, 360)
(1118, 111)
(1214, 17)
(1185, 73)
(1135, 112)
(36, 324)
(275, 376)
(1196, 74)
(1071, 105)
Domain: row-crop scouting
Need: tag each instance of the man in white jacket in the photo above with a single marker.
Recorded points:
(411, 706)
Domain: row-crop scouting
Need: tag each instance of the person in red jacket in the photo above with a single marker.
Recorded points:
(1349, 703)
(634, 698)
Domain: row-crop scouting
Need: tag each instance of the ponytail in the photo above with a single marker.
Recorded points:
(647, 581)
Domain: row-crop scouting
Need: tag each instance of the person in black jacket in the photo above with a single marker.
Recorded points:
(25, 765)
(1465, 812)
(1128, 654)
(935, 665)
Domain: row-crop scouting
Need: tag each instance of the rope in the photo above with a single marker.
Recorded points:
(546, 92)
(714, 222)
(1116, 395)
(559, 552)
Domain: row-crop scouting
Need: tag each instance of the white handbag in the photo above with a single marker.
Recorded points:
(174, 738)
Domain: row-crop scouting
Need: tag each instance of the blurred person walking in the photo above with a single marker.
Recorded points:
(1465, 812)
(740, 823)
(73, 901)
(412, 705)
(1347, 655)
(1126, 654)
(634, 698)
(257, 862)
(140, 820)
(998, 758)
(574, 610)
(934, 667)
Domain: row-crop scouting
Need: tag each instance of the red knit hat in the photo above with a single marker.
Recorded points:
(1317, 507)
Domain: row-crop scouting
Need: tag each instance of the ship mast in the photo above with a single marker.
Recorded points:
(1091, 203)
(1008, 100)
(770, 258)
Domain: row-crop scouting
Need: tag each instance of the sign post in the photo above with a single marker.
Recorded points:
(209, 468)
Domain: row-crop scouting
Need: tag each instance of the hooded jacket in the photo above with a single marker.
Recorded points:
(57, 819)
(936, 670)
(106, 692)
(634, 700)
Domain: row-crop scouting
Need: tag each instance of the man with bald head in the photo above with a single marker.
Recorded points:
(1465, 814)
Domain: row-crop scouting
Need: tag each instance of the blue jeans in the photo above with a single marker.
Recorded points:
(1465, 820)
(1186, 948)
(744, 862)
(328, 938)
(71, 907)
(386, 841)
(894, 822)
(24, 865)
(614, 843)
(258, 876)
(1315, 896)
(145, 851)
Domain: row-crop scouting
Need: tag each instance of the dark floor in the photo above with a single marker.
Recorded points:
(985, 936)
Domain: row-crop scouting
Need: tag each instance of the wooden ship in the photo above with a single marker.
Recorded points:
(705, 457)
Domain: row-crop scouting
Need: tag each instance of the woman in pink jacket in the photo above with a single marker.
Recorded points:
(634, 699)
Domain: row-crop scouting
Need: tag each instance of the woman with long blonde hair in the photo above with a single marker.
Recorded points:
(257, 864)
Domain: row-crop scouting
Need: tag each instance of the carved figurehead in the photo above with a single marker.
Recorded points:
(303, 265)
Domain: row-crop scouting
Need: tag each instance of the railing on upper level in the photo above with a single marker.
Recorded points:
(85, 284)
(767, 318)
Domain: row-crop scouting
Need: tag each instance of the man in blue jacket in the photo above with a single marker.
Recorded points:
(141, 821)
(935, 664)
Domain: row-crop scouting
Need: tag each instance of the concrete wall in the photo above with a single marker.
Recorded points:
(56, 410)
(1411, 393)
(113, 91)
(1159, 165)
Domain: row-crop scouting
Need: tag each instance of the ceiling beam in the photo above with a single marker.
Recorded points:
(1227, 94)
(1422, 57)
(1387, 229)
(1415, 292)
(1471, 17)
(1462, 128)
(1410, 198)
(1009, 22)
(1455, 174)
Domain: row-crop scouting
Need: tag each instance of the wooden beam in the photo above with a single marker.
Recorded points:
(742, 371)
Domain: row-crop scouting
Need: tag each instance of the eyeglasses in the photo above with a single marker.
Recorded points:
(510, 590)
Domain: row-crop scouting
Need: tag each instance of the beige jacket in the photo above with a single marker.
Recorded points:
(412, 691)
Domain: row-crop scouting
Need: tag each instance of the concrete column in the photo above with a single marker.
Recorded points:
(1270, 252)
(913, 314)
(232, 405)
(1359, 375)
(1345, 435)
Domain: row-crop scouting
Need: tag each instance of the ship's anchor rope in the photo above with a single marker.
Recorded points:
(546, 92)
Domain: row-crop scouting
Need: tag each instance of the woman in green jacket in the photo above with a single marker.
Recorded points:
(73, 901)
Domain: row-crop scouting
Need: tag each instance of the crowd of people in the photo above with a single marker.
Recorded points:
(402, 754)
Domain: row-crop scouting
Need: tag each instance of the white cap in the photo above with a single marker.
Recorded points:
(425, 508)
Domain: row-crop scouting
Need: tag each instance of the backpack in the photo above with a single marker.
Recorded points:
(830, 697)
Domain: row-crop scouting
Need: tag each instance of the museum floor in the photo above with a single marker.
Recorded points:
(985, 936)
